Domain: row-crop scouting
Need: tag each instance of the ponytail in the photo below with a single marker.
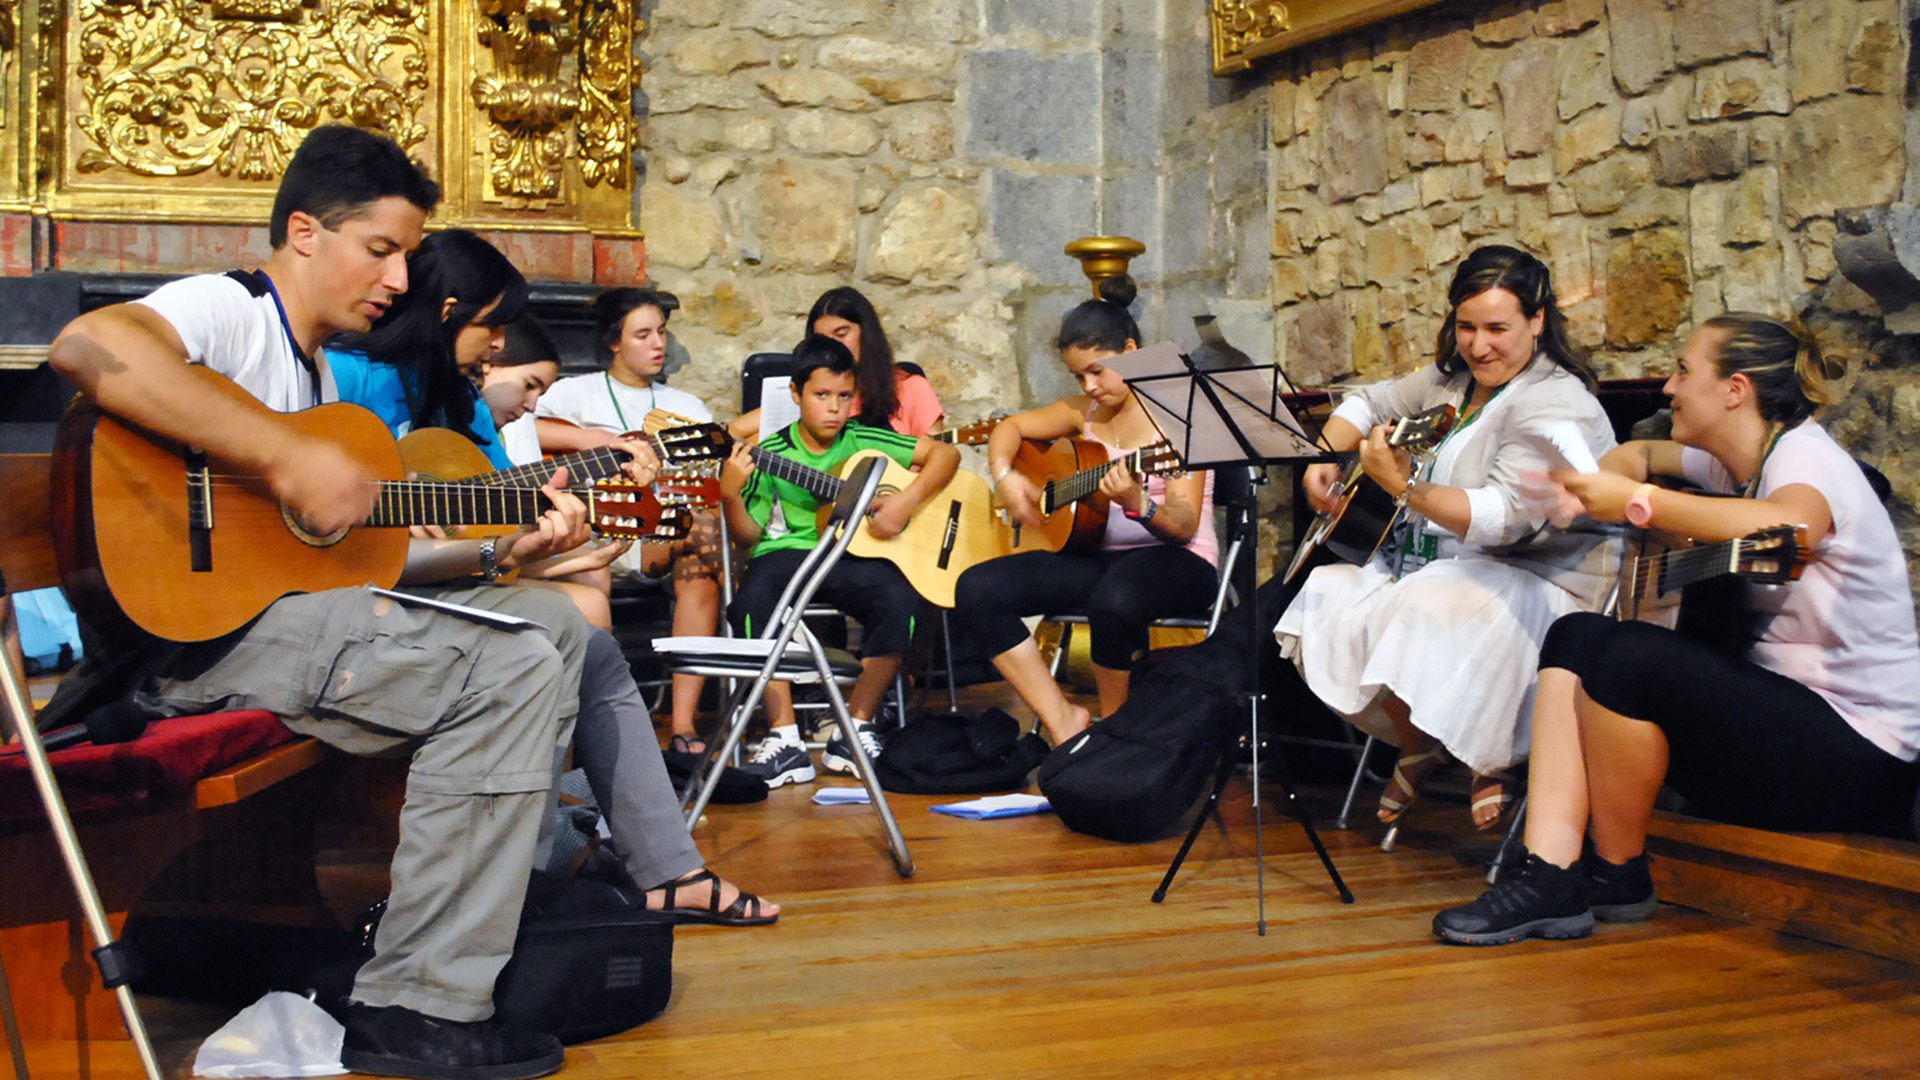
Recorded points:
(1789, 373)
(1104, 323)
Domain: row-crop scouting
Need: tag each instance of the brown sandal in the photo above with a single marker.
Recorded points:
(744, 911)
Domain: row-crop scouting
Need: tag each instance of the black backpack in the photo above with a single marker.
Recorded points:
(1134, 775)
(958, 754)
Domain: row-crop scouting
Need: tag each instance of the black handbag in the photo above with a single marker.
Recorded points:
(587, 963)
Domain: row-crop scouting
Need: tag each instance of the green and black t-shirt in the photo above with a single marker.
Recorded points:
(787, 512)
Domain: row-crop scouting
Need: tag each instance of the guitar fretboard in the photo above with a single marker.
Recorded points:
(823, 485)
(1071, 489)
(423, 503)
(598, 463)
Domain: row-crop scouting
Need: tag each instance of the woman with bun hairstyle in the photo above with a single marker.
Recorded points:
(1816, 730)
(1431, 644)
(885, 394)
(1157, 559)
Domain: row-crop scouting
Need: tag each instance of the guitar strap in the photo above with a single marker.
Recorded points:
(258, 284)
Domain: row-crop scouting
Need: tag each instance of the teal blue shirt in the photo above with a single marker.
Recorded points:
(387, 391)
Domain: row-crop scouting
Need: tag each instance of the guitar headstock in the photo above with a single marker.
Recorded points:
(688, 491)
(974, 434)
(1772, 556)
(1160, 459)
(1422, 432)
(691, 442)
(631, 512)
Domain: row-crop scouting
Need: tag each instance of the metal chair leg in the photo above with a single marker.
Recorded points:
(946, 647)
(1353, 786)
(1516, 834)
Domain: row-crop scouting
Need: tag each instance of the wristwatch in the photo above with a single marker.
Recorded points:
(490, 559)
(1640, 507)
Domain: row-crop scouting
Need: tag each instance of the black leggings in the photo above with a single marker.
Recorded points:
(1120, 592)
(871, 590)
(1746, 745)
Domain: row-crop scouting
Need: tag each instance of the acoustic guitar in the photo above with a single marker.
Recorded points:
(150, 534)
(1067, 475)
(1700, 589)
(1363, 513)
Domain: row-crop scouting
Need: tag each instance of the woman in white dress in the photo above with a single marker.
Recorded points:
(1431, 645)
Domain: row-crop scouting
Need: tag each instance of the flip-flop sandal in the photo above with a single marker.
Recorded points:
(744, 911)
(1408, 774)
(687, 744)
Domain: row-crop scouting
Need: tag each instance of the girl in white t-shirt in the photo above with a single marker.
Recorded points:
(1817, 730)
(586, 411)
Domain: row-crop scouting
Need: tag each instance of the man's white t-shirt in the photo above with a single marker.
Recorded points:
(604, 403)
(234, 327)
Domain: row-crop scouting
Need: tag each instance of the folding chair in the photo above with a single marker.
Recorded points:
(786, 650)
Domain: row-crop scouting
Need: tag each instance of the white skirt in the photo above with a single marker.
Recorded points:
(1457, 640)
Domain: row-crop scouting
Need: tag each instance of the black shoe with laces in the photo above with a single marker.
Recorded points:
(396, 1041)
(1619, 892)
(1538, 899)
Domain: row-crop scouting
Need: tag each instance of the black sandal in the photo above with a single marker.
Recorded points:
(684, 744)
(744, 911)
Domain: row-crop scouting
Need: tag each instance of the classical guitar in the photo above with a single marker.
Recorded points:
(954, 530)
(1363, 513)
(1067, 475)
(1700, 588)
(149, 533)
(443, 455)
(678, 440)
(974, 434)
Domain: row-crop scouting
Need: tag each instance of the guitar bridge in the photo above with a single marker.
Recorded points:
(199, 513)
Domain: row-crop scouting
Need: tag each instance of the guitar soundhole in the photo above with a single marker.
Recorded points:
(308, 536)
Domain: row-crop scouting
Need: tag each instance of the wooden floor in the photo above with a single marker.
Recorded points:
(1020, 949)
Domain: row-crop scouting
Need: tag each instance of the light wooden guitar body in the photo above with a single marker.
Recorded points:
(954, 530)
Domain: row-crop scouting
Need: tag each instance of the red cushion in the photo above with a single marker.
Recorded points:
(165, 761)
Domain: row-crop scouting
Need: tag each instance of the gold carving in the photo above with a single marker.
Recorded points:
(1240, 24)
(173, 88)
(555, 63)
(1247, 30)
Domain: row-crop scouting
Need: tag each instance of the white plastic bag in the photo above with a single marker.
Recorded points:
(282, 1034)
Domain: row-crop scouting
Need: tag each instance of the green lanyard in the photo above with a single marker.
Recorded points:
(652, 394)
(1753, 482)
(1415, 540)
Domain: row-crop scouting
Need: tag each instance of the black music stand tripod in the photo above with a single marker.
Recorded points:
(1220, 419)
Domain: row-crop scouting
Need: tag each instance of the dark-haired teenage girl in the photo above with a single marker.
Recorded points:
(885, 394)
(1817, 730)
(1159, 553)
(1431, 644)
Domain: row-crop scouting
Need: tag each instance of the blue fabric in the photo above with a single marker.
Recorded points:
(46, 623)
(383, 388)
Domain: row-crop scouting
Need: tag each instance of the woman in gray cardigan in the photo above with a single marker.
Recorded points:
(1432, 644)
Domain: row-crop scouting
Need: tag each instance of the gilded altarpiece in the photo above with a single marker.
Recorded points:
(188, 110)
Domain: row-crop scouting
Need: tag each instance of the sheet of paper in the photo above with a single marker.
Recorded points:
(996, 806)
(1561, 443)
(471, 614)
(841, 796)
(777, 407)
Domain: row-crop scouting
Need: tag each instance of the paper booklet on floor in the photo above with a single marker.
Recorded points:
(996, 806)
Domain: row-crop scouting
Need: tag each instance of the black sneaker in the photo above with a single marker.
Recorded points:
(1619, 892)
(395, 1041)
(778, 763)
(838, 757)
(1537, 900)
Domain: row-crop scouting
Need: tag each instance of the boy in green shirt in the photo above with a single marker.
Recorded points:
(777, 516)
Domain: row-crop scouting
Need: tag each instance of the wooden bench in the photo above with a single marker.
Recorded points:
(1862, 892)
(241, 840)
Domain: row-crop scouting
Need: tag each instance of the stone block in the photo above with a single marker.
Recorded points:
(1289, 281)
(907, 88)
(1131, 87)
(1649, 207)
(1641, 34)
(815, 88)
(1845, 151)
(1878, 250)
(1033, 217)
(1048, 21)
(1397, 251)
(956, 21)
(1569, 256)
(1639, 123)
(1427, 144)
(1592, 136)
(1530, 228)
(1816, 62)
(1040, 112)
(711, 173)
(921, 132)
(1400, 197)
(828, 133)
(1355, 123)
(1248, 276)
(1707, 225)
(1316, 340)
(1586, 78)
(1739, 88)
(927, 237)
(1503, 26)
(1525, 102)
(682, 226)
(1605, 187)
(1436, 71)
(1525, 173)
(1756, 279)
(864, 55)
(1707, 30)
(805, 18)
(1488, 217)
(1483, 90)
(877, 182)
(714, 53)
(1691, 156)
(1570, 16)
(1874, 57)
(1816, 249)
(799, 215)
(1648, 288)
(703, 94)
(1753, 208)
(1448, 242)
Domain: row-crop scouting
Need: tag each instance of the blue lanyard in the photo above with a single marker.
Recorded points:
(286, 327)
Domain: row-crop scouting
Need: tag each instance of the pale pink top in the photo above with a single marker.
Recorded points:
(1124, 533)
(916, 408)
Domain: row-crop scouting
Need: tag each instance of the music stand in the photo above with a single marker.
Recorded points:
(1228, 418)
